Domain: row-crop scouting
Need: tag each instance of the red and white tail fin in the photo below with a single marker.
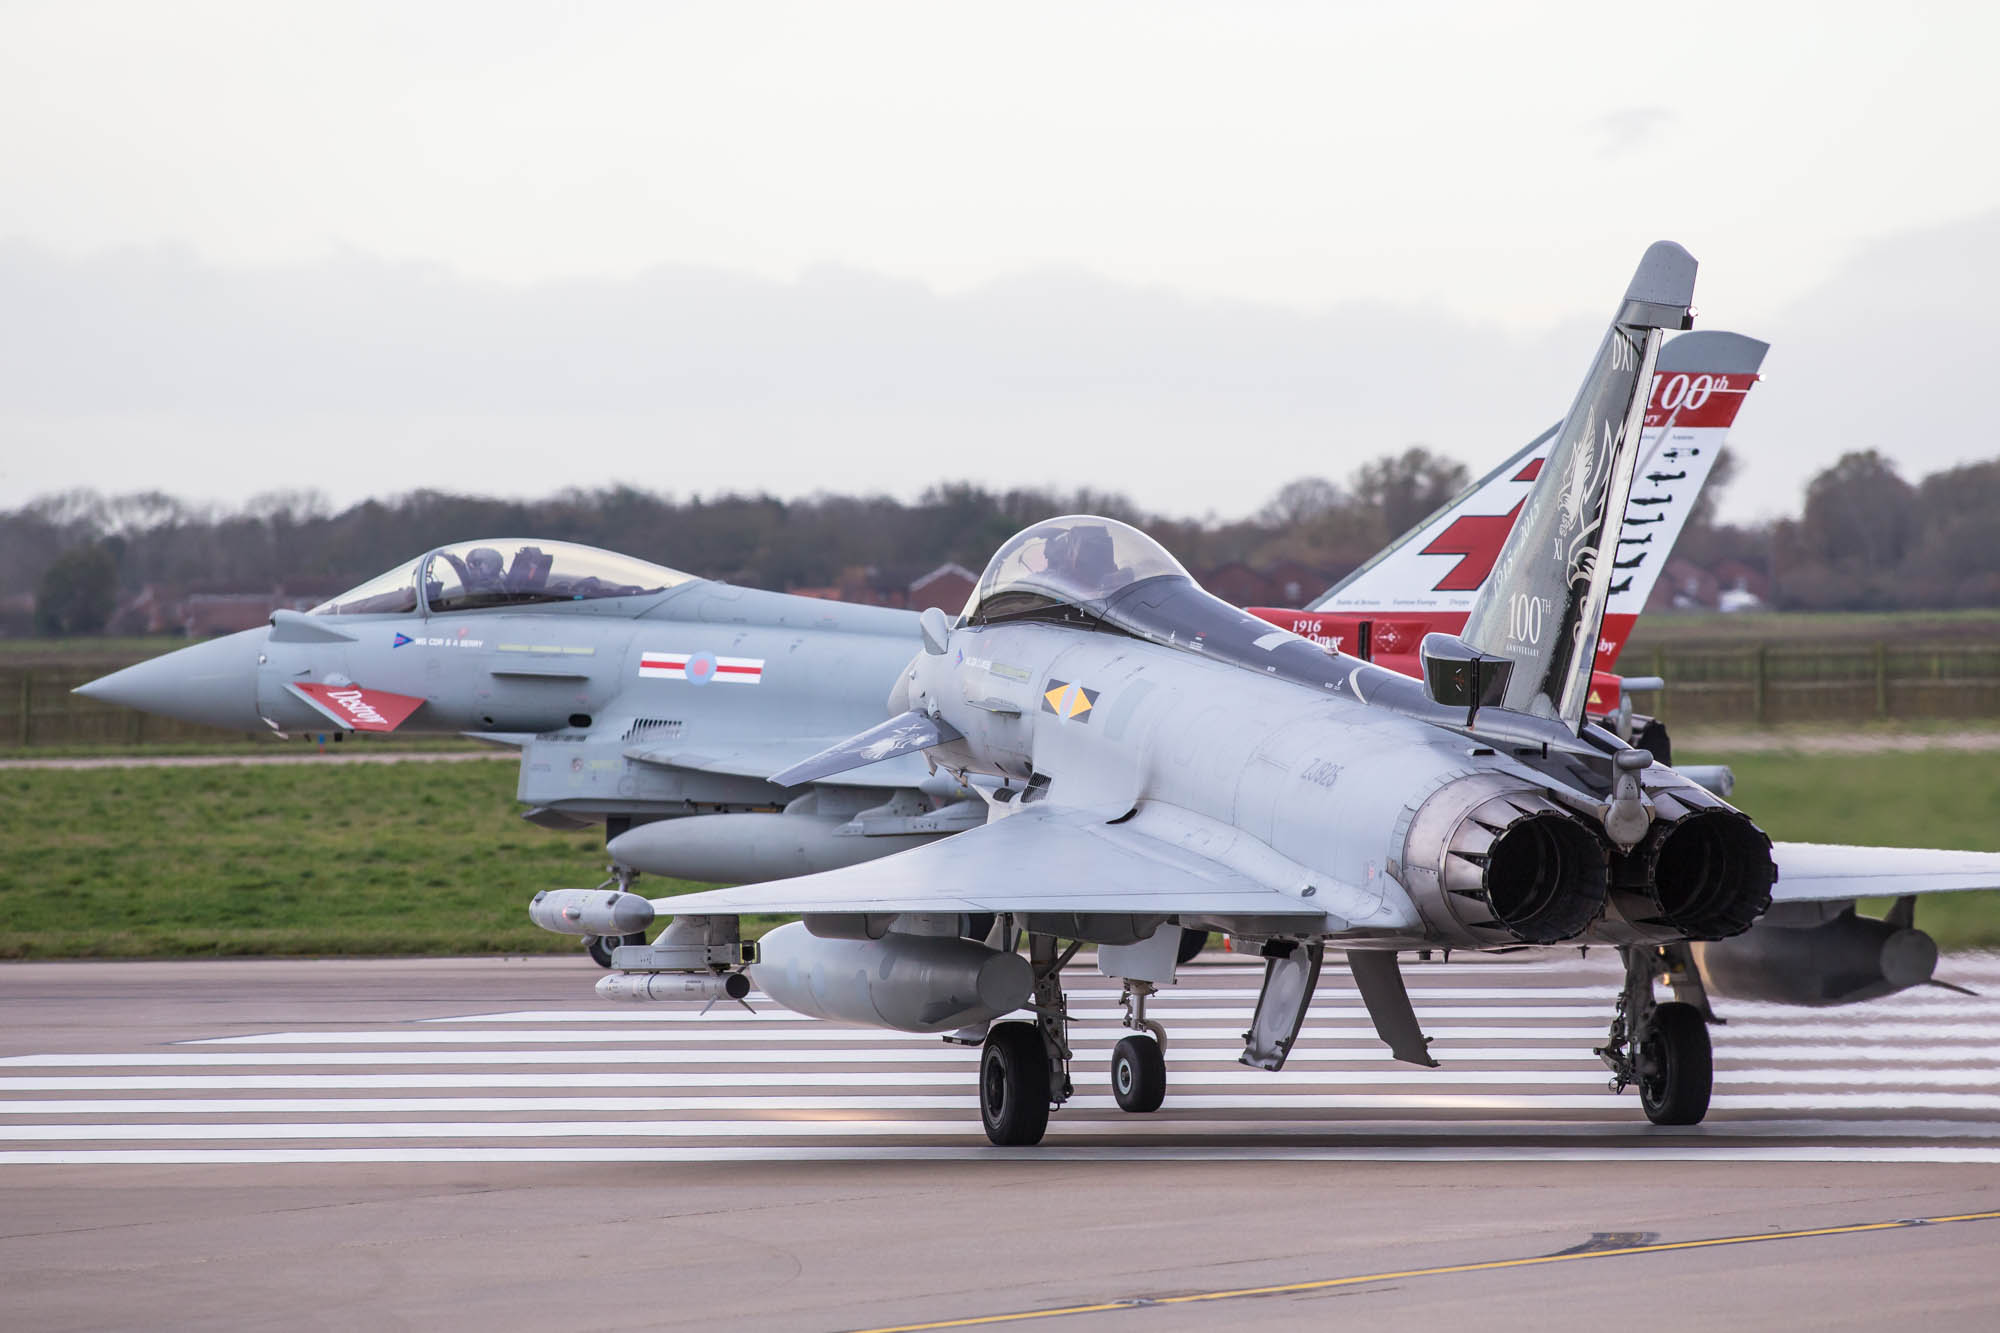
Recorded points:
(1428, 578)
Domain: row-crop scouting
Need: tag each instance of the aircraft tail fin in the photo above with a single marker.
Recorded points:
(1429, 577)
(1541, 610)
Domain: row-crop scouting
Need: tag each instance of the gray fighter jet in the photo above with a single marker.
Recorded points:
(1164, 761)
(634, 693)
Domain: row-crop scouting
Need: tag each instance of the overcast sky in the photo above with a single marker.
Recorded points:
(1184, 251)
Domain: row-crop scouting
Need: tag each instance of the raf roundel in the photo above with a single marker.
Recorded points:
(701, 668)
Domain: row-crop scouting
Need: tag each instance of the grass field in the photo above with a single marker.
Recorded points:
(432, 858)
(357, 859)
(1672, 629)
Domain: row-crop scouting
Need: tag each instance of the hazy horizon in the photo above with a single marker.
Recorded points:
(1184, 252)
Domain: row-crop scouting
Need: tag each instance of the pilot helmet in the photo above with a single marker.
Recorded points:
(484, 563)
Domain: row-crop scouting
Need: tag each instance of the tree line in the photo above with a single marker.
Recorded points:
(1864, 540)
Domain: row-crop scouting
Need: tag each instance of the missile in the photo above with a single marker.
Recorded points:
(590, 912)
(643, 986)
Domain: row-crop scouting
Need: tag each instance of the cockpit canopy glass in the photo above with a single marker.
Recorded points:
(515, 572)
(503, 572)
(1078, 560)
(390, 594)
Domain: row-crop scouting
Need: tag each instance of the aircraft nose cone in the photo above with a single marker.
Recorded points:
(212, 684)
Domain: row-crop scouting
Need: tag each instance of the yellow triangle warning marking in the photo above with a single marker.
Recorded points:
(1054, 698)
(1078, 703)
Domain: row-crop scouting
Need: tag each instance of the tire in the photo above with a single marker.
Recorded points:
(1138, 1075)
(1192, 943)
(599, 948)
(1677, 1066)
(1014, 1085)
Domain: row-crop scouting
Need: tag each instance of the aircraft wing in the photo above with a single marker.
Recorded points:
(1043, 859)
(761, 758)
(1814, 872)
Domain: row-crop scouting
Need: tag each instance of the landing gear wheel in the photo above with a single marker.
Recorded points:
(1676, 1066)
(1014, 1085)
(1192, 943)
(1138, 1074)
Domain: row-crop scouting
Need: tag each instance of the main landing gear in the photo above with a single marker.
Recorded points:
(1024, 1067)
(1664, 1048)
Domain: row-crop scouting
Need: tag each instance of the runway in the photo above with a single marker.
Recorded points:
(188, 1114)
(1911, 1078)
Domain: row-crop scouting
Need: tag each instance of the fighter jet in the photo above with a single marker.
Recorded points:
(1164, 760)
(634, 692)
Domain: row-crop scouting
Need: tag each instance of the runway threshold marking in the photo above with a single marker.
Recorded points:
(1442, 1270)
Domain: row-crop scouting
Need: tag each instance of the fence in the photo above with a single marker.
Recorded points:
(1767, 684)
(1760, 685)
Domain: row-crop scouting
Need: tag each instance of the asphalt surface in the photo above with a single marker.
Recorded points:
(482, 1142)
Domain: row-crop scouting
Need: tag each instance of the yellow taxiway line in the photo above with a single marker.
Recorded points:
(1324, 1284)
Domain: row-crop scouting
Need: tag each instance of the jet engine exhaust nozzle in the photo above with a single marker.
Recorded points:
(1705, 870)
(1506, 864)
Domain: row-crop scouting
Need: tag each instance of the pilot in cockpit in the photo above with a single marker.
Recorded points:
(1083, 558)
(485, 571)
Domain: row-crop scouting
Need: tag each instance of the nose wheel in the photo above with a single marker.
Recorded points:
(1138, 1074)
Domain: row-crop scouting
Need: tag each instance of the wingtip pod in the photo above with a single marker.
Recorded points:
(1661, 293)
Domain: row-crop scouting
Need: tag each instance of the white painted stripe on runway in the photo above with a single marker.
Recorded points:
(780, 1122)
(1908, 1004)
(918, 1049)
(813, 1030)
(1620, 1120)
(1301, 1071)
(1047, 1152)
(1275, 1094)
(1166, 996)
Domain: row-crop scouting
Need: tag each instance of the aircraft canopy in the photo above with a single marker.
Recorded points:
(503, 571)
(1077, 560)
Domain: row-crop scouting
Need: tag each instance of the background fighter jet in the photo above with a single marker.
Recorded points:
(1171, 761)
(634, 692)
(1427, 579)
(599, 667)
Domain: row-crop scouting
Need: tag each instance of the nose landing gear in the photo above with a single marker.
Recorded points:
(1139, 1062)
